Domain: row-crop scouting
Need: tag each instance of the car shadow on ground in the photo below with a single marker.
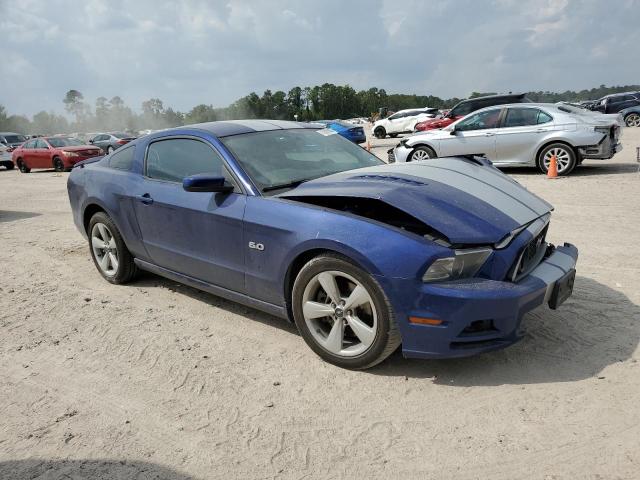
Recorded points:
(13, 215)
(595, 328)
(150, 280)
(87, 470)
(584, 170)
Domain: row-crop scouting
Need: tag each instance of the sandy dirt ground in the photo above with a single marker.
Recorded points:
(157, 380)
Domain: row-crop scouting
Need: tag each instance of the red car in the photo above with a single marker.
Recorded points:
(59, 153)
(465, 107)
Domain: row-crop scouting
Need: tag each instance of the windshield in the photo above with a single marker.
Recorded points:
(58, 142)
(15, 138)
(282, 157)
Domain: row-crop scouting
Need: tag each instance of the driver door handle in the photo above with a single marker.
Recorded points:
(146, 199)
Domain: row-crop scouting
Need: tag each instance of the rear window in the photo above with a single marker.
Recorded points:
(15, 138)
(120, 135)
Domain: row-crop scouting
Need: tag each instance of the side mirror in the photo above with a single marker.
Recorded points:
(91, 141)
(205, 182)
(452, 131)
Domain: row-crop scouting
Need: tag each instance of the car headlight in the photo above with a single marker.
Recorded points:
(70, 154)
(463, 264)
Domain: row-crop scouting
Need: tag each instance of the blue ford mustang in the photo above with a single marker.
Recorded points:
(444, 257)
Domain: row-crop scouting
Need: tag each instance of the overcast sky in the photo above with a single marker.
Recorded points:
(187, 52)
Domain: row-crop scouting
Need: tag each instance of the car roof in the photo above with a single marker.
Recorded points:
(488, 97)
(227, 128)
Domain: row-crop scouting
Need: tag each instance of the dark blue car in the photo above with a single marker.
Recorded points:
(444, 257)
(347, 130)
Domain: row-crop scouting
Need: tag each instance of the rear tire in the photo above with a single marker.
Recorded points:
(422, 153)
(23, 166)
(632, 120)
(565, 156)
(380, 132)
(110, 150)
(108, 250)
(9, 165)
(349, 333)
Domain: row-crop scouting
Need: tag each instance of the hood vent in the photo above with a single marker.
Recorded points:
(389, 178)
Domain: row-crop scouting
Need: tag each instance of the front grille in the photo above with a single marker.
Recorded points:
(530, 256)
(391, 158)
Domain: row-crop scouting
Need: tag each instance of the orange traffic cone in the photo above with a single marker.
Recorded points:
(552, 171)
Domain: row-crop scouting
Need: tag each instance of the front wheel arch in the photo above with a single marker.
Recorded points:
(422, 146)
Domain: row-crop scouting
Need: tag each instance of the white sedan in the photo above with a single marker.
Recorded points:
(524, 134)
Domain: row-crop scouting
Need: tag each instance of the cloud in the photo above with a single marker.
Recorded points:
(198, 51)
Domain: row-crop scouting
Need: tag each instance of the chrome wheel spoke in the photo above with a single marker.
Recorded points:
(312, 310)
(113, 260)
(97, 243)
(333, 342)
(329, 285)
(104, 262)
(358, 297)
(364, 332)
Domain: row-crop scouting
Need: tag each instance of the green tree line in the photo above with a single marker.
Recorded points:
(327, 101)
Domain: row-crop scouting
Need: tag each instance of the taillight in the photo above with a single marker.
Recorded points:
(122, 142)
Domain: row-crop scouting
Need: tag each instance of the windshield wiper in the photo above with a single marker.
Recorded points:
(291, 184)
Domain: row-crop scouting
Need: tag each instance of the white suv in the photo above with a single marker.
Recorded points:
(402, 121)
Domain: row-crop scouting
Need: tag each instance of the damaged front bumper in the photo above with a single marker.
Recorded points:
(480, 315)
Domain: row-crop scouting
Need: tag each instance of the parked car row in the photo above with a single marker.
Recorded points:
(525, 134)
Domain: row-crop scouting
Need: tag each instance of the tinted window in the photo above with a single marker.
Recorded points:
(30, 144)
(41, 144)
(520, 117)
(120, 135)
(462, 109)
(177, 158)
(544, 117)
(15, 138)
(122, 159)
(479, 121)
(395, 115)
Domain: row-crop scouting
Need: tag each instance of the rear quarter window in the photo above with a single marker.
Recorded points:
(122, 159)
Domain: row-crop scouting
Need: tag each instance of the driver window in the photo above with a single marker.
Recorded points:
(479, 121)
(41, 144)
(174, 159)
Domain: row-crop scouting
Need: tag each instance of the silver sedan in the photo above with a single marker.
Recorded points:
(520, 135)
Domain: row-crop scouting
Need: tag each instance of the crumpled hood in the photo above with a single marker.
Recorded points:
(467, 202)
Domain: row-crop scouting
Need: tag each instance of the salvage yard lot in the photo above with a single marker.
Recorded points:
(182, 384)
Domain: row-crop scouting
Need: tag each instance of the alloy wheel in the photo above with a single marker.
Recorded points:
(104, 249)
(633, 120)
(420, 154)
(340, 313)
(563, 158)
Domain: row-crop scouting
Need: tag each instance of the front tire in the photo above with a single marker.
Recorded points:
(343, 314)
(58, 164)
(380, 132)
(632, 120)
(108, 251)
(565, 157)
(422, 153)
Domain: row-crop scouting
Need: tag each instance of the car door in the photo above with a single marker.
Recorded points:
(99, 141)
(474, 134)
(395, 123)
(199, 234)
(41, 154)
(28, 153)
(520, 134)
